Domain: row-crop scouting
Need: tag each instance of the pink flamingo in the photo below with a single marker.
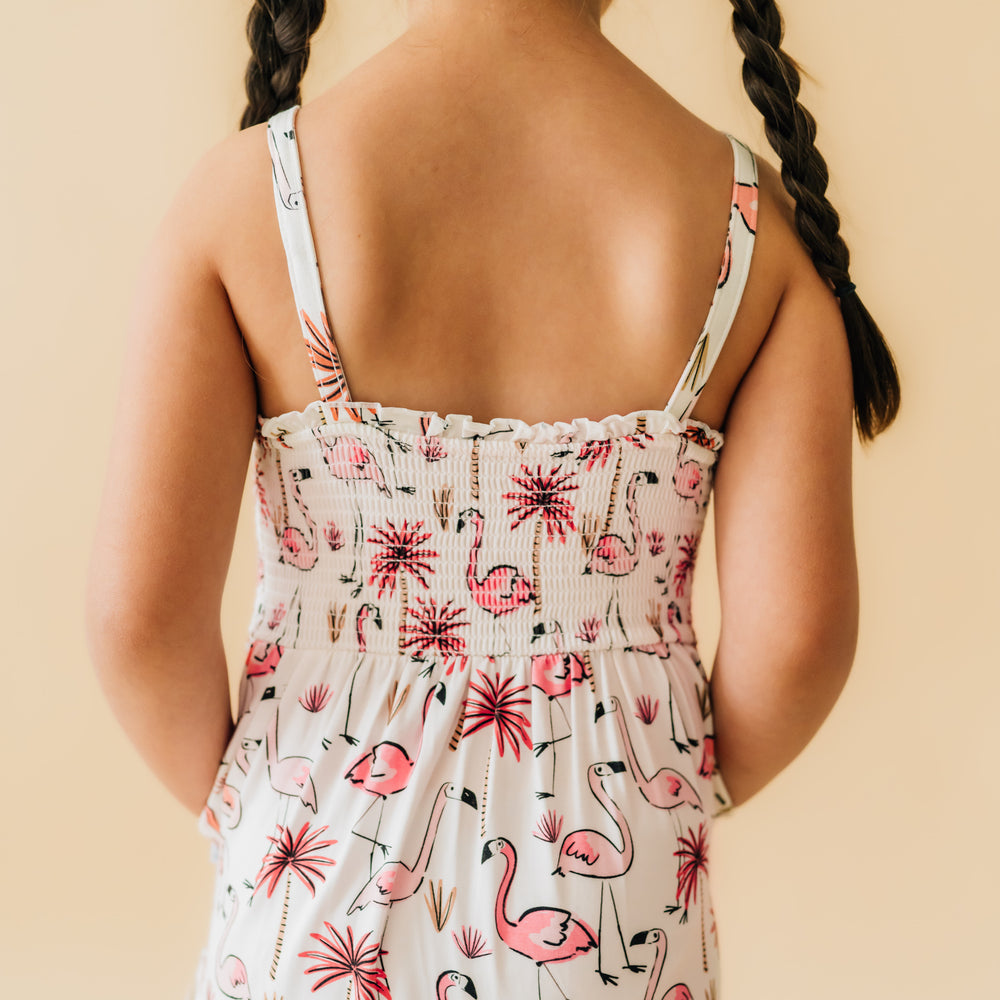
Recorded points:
(297, 549)
(395, 880)
(230, 972)
(232, 802)
(450, 979)
(263, 657)
(365, 612)
(232, 805)
(745, 200)
(656, 936)
(687, 480)
(242, 758)
(593, 855)
(290, 776)
(210, 827)
(504, 588)
(348, 457)
(543, 934)
(384, 770)
(554, 674)
(264, 654)
(666, 789)
(745, 203)
(612, 555)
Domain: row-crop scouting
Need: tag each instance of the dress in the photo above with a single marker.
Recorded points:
(474, 746)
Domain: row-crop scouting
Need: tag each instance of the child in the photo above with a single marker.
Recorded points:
(476, 751)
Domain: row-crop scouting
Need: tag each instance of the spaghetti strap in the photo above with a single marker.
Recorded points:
(732, 281)
(300, 251)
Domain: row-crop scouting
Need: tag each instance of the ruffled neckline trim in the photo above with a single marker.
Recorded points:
(409, 422)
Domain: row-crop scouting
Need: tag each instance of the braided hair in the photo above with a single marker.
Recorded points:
(771, 78)
(279, 32)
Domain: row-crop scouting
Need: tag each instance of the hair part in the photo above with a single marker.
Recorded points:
(772, 80)
(279, 32)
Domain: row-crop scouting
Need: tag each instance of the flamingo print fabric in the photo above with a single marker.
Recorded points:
(474, 746)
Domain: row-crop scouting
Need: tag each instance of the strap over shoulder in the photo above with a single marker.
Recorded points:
(300, 252)
(732, 280)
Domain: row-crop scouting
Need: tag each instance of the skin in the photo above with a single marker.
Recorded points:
(484, 129)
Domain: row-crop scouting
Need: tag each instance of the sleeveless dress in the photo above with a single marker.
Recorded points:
(474, 746)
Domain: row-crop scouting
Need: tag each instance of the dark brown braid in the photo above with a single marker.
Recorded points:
(279, 32)
(772, 80)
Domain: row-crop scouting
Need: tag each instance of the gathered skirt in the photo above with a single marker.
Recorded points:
(492, 826)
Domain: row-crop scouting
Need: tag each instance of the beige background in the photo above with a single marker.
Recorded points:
(869, 867)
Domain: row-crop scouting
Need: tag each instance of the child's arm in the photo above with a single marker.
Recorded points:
(785, 539)
(179, 455)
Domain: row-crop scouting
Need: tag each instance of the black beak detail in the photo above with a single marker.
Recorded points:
(617, 766)
(469, 797)
(599, 711)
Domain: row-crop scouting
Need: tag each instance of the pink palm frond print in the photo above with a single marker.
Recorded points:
(589, 629)
(435, 626)
(639, 439)
(332, 384)
(597, 450)
(401, 553)
(654, 539)
(315, 698)
(334, 536)
(472, 944)
(548, 826)
(687, 554)
(645, 711)
(496, 707)
(693, 853)
(294, 853)
(700, 436)
(343, 958)
(431, 449)
(542, 493)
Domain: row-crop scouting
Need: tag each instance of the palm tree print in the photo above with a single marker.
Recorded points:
(693, 852)
(434, 627)
(497, 706)
(401, 554)
(688, 552)
(542, 494)
(343, 958)
(296, 854)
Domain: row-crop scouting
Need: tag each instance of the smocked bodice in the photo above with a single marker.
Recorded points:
(400, 532)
